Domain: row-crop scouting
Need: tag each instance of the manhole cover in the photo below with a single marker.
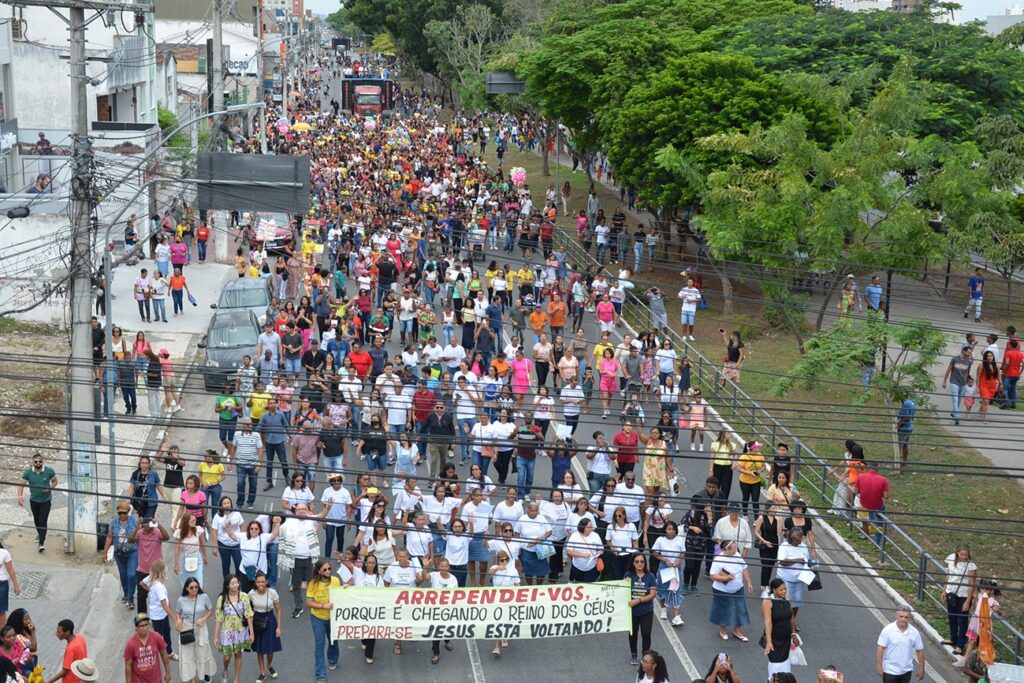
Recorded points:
(33, 584)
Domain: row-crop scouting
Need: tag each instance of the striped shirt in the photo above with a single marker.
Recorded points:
(247, 448)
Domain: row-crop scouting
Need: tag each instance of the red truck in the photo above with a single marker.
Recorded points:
(368, 96)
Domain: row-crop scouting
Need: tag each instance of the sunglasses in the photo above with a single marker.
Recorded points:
(502, 560)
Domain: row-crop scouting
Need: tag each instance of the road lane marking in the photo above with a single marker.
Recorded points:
(474, 662)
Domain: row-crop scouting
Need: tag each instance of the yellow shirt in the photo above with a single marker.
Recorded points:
(210, 474)
(259, 404)
(320, 593)
(751, 465)
(599, 351)
(525, 276)
(722, 455)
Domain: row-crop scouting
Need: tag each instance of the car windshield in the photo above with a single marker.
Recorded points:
(232, 336)
(243, 297)
(368, 99)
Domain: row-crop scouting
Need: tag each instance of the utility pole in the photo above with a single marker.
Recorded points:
(261, 121)
(217, 68)
(81, 451)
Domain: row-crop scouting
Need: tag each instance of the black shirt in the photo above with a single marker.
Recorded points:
(333, 441)
(440, 426)
(314, 359)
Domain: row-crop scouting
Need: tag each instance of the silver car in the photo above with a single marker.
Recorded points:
(248, 293)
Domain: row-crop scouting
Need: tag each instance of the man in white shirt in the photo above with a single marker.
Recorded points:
(388, 383)
(453, 355)
(406, 316)
(398, 406)
(899, 644)
(629, 496)
(432, 352)
(339, 500)
(691, 297)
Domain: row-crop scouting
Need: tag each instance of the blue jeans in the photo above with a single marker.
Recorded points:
(213, 494)
(597, 481)
(126, 566)
(957, 392)
(405, 327)
(164, 267)
(178, 296)
(638, 252)
(1010, 387)
(463, 439)
(201, 247)
(292, 365)
(868, 374)
(421, 443)
(446, 334)
(525, 479)
(875, 517)
(601, 249)
(331, 534)
(321, 638)
(332, 463)
(227, 554)
(272, 550)
(160, 309)
(279, 452)
(226, 429)
(246, 475)
(484, 463)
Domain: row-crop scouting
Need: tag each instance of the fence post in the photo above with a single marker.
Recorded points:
(922, 574)
(824, 483)
(796, 463)
(884, 529)
(735, 412)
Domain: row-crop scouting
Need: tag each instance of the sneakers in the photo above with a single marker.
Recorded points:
(764, 594)
(691, 338)
(273, 673)
(677, 620)
(663, 614)
(296, 612)
(634, 660)
(177, 408)
(42, 548)
(693, 445)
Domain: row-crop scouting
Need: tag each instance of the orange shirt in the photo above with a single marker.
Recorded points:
(501, 366)
(177, 282)
(557, 311)
(537, 320)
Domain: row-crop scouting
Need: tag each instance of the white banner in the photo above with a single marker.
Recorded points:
(480, 613)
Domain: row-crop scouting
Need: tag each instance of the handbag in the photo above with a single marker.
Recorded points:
(599, 565)
(191, 563)
(796, 654)
(260, 622)
(815, 584)
(188, 636)
(544, 550)
(192, 300)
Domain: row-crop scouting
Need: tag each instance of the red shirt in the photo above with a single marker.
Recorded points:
(626, 445)
(872, 486)
(75, 650)
(145, 658)
(1013, 358)
(422, 403)
(203, 233)
(361, 361)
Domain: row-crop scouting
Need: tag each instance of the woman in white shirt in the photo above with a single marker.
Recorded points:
(508, 510)
(621, 538)
(503, 574)
(794, 559)
(668, 394)
(666, 358)
(543, 410)
(456, 550)
(419, 540)
(297, 492)
(441, 511)
(477, 515)
(655, 518)
(732, 527)
(157, 606)
(483, 445)
(728, 605)
(534, 530)
(253, 546)
(961, 577)
(442, 578)
(227, 524)
(584, 549)
(580, 511)
(669, 550)
(369, 576)
(478, 480)
(556, 511)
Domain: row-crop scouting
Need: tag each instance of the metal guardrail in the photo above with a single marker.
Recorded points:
(898, 552)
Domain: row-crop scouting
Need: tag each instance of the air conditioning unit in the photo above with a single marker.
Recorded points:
(18, 29)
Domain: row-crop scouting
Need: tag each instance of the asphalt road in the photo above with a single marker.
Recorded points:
(839, 624)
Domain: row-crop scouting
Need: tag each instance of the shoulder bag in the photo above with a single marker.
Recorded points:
(188, 636)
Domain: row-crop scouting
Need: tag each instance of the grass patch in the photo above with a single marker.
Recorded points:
(10, 325)
(45, 393)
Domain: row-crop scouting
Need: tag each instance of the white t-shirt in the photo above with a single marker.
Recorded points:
(792, 552)
(486, 484)
(221, 523)
(503, 512)
(339, 501)
(591, 544)
(454, 354)
(602, 231)
(438, 581)
(666, 360)
(398, 406)
(465, 407)
(629, 498)
(254, 551)
(734, 564)
(294, 496)
(405, 501)
(571, 393)
(572, 522)
(505, 577)
(531, 529)
(958, 580)
(556, 514)
(431, 353)
(456, 549)
(671, 549)
(402, 576)
(5, 557)
(417, 541)
(439, 510)
(481, 515)
(900, 648)
(501, 431)
(601, 463)
(621, 538)
(157, 593)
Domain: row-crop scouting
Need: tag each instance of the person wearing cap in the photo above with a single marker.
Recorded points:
(956, 375)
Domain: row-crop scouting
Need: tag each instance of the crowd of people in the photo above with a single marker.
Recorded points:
(505, 345)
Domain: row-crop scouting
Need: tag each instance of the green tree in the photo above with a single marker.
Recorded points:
(911, 348)
(965, 74)
(341, 22)
(791, 205)
(462, 45)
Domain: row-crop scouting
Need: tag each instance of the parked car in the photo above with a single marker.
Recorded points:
(232, 334)
(245, 293)
(274, 230)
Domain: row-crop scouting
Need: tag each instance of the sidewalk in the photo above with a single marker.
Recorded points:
(915, 299)
(83, 592)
